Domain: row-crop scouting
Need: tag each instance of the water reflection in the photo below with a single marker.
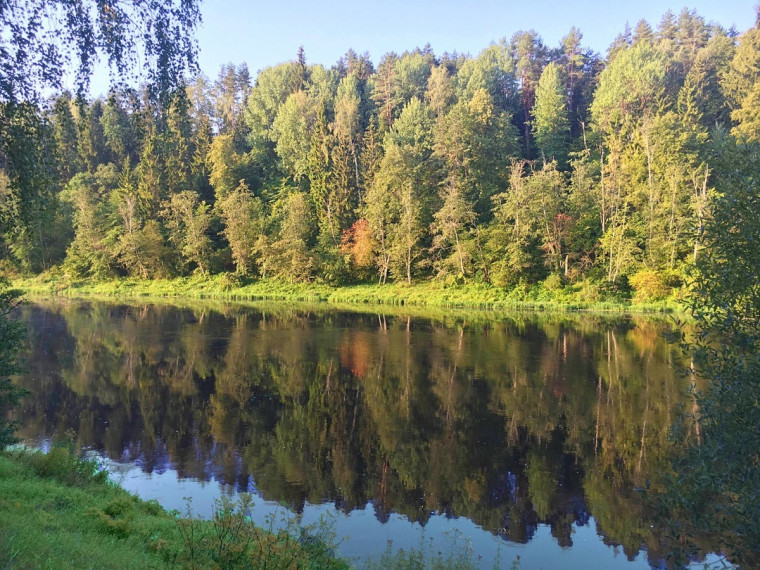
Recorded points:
(513, 423)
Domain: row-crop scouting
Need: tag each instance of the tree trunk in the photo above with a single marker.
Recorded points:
(459, 252)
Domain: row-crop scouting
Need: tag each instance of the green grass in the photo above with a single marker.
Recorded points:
(432, 294)
(58, 511)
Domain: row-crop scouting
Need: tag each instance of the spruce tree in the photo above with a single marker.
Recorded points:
(551, 128)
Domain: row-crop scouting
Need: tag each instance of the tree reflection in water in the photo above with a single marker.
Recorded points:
(510, 422)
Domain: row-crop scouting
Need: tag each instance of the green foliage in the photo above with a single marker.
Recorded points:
(476, 141)
(288, 254)
(291, 132)
(224, 162)
(528, 221)
(741, 87)
(88, 254)
(244, 223)
(630, 89)
(588, 294)
(188, 222)
(551, 128)
(63, 466)
(715, 481)
(273, 86)
(38, 43)
(11, 338)
(38, 160)
(553, 282)
(135, 240)
(417, 148)
(440, 90)
(27, 186)
(530, 56)
(412, 73)
(333, 174)
(231, 540)
(451, 226)
(649, 285)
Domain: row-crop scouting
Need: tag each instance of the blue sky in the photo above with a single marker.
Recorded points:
(267, 33)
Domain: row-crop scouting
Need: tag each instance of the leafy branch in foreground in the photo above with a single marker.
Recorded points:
(11, 336)
(716, 482)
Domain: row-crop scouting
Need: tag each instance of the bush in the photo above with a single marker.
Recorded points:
(229, 281)
(649, 285)
(232, 540)
(63, 466)
(590, 291)
(554, 282)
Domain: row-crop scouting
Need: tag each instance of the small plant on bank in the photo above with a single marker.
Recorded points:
(460, 555)
(63, 466)
(231, 540)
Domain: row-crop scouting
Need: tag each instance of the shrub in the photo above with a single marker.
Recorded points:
(63, 466)
(649, 285)
(554, 282)
(232, 540)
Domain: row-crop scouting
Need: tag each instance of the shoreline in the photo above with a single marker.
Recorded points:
(56, 506)
(426, 295)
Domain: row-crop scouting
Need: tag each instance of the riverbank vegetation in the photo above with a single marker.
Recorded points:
(527, 168)
(427, 294)
(59, 511)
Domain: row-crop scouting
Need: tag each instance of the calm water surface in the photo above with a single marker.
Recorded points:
(520, 436)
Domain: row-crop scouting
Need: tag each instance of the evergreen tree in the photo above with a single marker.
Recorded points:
(66, 136)
(551, 129)
(741, 87)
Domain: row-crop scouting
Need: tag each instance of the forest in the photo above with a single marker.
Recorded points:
(631, 174)
(524, 164)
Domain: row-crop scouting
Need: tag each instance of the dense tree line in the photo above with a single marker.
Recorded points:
(526, 163)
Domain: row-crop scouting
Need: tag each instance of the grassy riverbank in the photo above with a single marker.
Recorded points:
(428, 294)
(57, 511)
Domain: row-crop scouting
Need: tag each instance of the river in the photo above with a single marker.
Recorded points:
(510, 435)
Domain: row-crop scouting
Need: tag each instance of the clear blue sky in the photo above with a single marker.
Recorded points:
(266, 33)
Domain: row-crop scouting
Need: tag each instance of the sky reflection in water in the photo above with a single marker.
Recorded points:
(524, 435)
